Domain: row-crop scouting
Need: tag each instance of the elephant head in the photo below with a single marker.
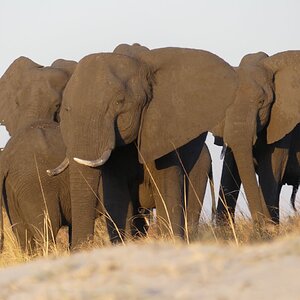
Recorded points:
(30, 92)
(111, 104)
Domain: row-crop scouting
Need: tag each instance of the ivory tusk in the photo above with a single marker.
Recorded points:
(95, 163)
(59, 169)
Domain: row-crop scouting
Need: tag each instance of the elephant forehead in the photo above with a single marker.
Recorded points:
(187, 101)
(107, 64)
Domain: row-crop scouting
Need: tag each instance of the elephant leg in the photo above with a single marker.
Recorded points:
(20, 230)
(196, 163)
(138, 224)
(271, 166)
(229, 189)
(41, 212)
(167, 176)
(196, 184)
(116, 199)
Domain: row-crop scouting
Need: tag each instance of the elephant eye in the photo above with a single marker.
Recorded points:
(261, 102)
(120, 101)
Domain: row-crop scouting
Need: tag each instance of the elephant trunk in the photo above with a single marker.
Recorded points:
(244, 160)
(84, 183)
(94, 140)
(240, 135)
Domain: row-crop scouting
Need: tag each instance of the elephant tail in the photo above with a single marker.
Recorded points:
(293, 196)
(212, 192)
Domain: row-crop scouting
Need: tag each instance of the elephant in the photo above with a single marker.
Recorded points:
(37, 205)
(165, 99)
(30, 92)
(198, 177)
(276, 147)
(276, 164)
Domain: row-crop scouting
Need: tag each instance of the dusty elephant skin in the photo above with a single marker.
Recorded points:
(30, 196)
(277, 146)
(197, 174)
(276, 164)
(165, 98)
(30, 92)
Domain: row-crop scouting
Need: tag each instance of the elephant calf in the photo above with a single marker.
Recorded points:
(32, 198)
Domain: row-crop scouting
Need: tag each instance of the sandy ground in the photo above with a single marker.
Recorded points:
(162, 271)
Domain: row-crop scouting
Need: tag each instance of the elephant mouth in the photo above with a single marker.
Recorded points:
(95, 163)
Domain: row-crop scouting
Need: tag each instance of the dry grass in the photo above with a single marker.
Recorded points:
(238, 234)
(241, 234)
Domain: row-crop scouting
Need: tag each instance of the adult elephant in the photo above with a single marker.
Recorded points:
(276, 164)
(30, 92)
(165, 98)
(276, 147)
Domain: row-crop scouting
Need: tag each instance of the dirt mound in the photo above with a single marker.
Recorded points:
(162, 271)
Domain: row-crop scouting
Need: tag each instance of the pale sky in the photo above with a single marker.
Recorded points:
(71, 29)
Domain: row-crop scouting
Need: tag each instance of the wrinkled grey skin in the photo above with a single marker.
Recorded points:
(276, 164)
(30, 92)
(29, 194)
(155, 98)
(195, 183)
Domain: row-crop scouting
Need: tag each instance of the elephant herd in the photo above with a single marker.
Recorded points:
(120, 133)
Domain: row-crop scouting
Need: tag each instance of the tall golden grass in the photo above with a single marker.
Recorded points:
(242, 233)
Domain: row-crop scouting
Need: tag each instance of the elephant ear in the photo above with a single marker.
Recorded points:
(191, 91)
(11, 82)
(67, 66)
(285, 113)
